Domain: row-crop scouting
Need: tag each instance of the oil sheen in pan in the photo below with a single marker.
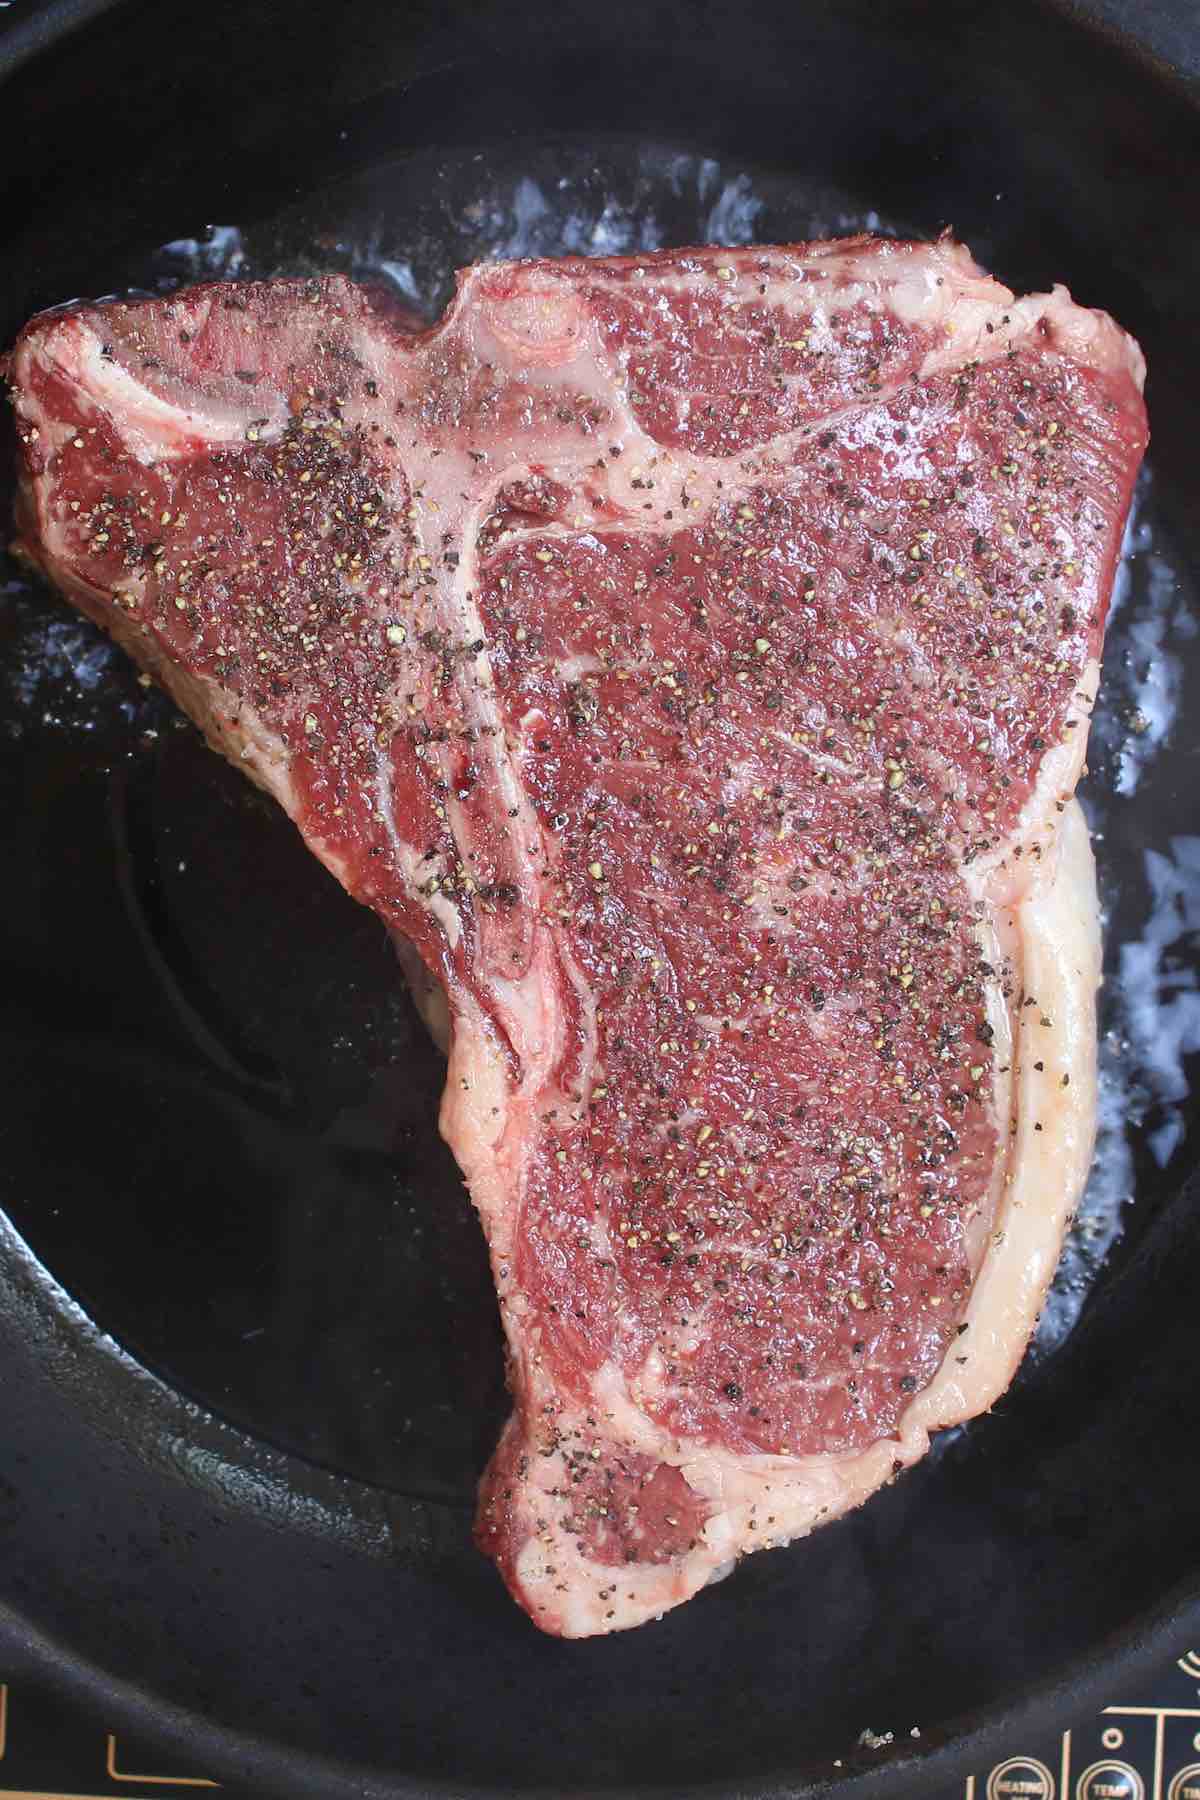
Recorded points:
(409, 226)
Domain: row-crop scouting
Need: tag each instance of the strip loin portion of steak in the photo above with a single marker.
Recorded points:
(690, 657)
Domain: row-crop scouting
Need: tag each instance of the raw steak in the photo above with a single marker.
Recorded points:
(690, 657)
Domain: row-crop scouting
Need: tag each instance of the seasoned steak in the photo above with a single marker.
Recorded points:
(689, 657)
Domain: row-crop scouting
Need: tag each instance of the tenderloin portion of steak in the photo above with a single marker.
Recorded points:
(690, 658)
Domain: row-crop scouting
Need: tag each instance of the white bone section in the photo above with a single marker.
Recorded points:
(155, 429)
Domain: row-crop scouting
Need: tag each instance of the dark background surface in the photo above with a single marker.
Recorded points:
(216, 1118)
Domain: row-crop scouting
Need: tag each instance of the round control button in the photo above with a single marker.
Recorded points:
(1020, 1778)
(1110, 1781)
(1186, 1785)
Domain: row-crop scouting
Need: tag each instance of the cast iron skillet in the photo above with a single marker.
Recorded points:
(240, 1523)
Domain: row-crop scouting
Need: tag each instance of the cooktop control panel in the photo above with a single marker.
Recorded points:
(1147, 1752)
(1146, 1748)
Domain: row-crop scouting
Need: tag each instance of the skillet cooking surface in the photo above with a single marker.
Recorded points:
(219, 1123)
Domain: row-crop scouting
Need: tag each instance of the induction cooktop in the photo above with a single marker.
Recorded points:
(1144, 1745)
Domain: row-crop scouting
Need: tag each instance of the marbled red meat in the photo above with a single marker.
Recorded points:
(691, 657)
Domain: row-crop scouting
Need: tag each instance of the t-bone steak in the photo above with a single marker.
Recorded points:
(689, 657)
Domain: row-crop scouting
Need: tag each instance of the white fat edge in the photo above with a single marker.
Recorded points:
(1090, 337)
(152, 428)
(1000, 887)
(999, 878)
(1150, 681)
(533, 1017)
(1059, 930)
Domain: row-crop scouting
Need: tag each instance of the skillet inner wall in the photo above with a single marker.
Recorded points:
(1072, 1509)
